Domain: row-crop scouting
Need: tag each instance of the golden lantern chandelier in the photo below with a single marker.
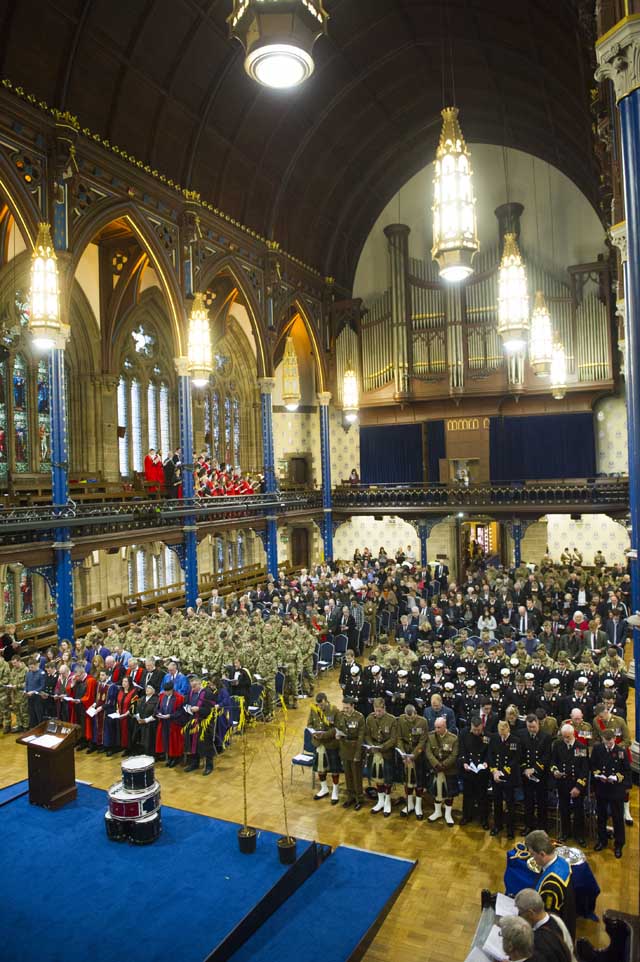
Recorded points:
(350, 394)
(290, 377)
(45, 325)
(558, 372)
(541, 338)
(455, 235)
(278, 37)
(513, 297)
(199, 343)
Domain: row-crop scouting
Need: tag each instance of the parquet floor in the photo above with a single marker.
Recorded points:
(436, 914)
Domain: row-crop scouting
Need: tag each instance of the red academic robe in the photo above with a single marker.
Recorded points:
(174, 748)
(87, 700)
(158, 473)
(150, 472)
(135, 677)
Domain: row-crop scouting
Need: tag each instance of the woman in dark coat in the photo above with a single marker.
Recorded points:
(144, 734)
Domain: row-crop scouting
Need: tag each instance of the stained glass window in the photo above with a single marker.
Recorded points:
(131, 576)
(152, 415)
(228, 453)
(230, 554)
(158, 570)
(26, 594)
(215, 420)
(240, 549)
(141, 570)
(207, 423)
(20, 414)
(165, 421)
(136, 424)
(4, 435)
(44, 415)
(220, 551)
(9, 599)
(123, 424)
(236, 433)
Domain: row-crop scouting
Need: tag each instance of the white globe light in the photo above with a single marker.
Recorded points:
(513, 345)
(455, 274)
(291, 407)
(351, 417)
(198, 381)
(279, 66)
(42, 343)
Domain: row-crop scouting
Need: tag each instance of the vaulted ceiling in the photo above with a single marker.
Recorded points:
(311, 168)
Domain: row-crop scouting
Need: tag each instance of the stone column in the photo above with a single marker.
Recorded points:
(325, 460)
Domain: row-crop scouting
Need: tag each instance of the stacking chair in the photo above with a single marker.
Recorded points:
(304, 759)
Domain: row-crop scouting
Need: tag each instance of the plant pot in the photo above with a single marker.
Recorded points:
(287, 850)
(247, 838)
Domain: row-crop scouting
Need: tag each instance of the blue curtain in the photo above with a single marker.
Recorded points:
(391, 454)
(542, 446)
(436, 449)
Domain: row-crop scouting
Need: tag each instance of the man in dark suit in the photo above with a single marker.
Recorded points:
(346, 625)
(616, 630)
(611, 774)
(152, 675)
(548, 936)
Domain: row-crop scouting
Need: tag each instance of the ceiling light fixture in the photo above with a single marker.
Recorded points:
(513, 298)
(199, 343)
(455, 234)
(290, 377)
(278, 37)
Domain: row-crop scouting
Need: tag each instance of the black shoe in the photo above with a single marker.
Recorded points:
(494, 831)
(357, 806)
(628, 821)
(563, 838)
(581, 841)
(191, 767)
(419, 817)
(167, 764)
(485, 826)
(208, 770)
(510, 835)
(617, 852)
(464, 820)
(349, 802)
(172, 763)
(599, 846)
(109, 752)
(91, 749)
(335, 801)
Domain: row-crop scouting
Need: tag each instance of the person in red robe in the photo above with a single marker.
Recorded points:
(150, 471)
(158, 472)
(169, 740)
(84, 695)
(98, 720)
(135, 672)
(127, 697)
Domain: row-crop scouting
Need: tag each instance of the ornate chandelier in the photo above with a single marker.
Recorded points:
(513, 298)
(278, 37)
(455, 236)
(199, 343)
(558, 372)
(541, 339)
(350, 395)
(45, 325)
(290, 377)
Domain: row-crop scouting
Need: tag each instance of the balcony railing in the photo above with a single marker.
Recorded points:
(607, 493)
(39, 524)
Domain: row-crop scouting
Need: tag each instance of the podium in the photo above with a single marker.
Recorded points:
(51, 762)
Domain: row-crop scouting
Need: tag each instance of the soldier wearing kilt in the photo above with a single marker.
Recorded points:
(412, 735)
(442, 755)
(326, 757)
(380, 734)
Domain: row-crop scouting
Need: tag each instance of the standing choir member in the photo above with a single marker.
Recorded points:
(169, 730)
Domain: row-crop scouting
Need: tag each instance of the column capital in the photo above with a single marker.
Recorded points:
(182, 366)
(618, 56)
(267, 384)
(618, 235)
(397, 230)
(324, 397)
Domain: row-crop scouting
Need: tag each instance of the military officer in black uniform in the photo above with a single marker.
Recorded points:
(534, 765)
(472, 751)
(504, 765)
(570, 768)
(611, 778)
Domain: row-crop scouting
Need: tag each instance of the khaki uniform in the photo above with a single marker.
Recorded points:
(325, 741)
(18, 697)
(619, 726)
(442, 756)
(5, 697)
(406, 659)
(549, 726)
(370, 616)
(350, 747)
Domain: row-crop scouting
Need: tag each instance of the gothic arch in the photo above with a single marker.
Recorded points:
(150, 309)
(297, 308)
(103, 214)
(226, 264)
(22, 205)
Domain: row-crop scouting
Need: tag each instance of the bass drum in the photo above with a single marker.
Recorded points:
(138, 773)
(145, 830)
(116, 830)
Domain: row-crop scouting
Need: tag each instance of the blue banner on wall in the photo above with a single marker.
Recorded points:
(542, 446)
(391, 454)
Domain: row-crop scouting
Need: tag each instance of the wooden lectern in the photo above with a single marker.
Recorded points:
(52, 764)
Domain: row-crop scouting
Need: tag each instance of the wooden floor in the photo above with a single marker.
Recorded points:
(436, 914)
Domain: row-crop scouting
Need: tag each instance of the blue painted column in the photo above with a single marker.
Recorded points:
(618, 54)
(325, 461)
(516, 530)
(423, 534)
(268, 460)
(186, 447)
(62, 546)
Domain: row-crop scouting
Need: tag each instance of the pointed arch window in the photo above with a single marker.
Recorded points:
(240, 549)
(4, 433)
(152, 415)
(235, 415)
(228, 451)
(165, 419)
(123, 427)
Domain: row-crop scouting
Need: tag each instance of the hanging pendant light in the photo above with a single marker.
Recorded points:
(199, 343)
(290, 377)
(278, 37)
(45, 325)
(513, 298)
(350, 395)
(541, 340)
(455, 235)
(558, 372)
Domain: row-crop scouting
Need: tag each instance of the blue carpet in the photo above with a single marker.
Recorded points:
(14, 791)
(328, 916)
(73, 895)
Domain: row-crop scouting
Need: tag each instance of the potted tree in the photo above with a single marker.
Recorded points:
(247, 836)
(286, 843)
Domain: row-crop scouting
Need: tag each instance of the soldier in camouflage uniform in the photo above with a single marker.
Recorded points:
(5, 696)
(326, 757)
(380, 735)
(412, 735)
(18, 673)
